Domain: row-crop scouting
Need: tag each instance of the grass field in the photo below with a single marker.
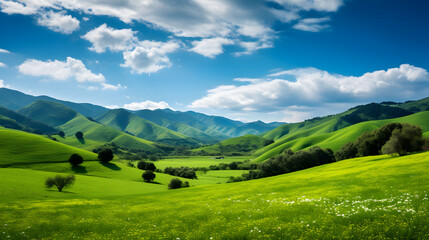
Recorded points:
(379, 197)
(197, 161)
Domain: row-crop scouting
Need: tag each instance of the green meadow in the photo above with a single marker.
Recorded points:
(381, 197)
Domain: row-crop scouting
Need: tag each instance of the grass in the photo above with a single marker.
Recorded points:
(379, 197)
(334, 140)
(196, 161)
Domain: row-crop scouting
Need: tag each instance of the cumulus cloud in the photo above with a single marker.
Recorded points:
(146, 105)
(115, 40)
(2, 84)
(4, 51)
(314, 87)
(207, 19)
(63, 71)
(2, 64)
(149, 56)
(210, 47)
(312, 24)
(58, 22)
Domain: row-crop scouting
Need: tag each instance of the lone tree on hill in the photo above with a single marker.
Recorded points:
(79, 135)
(60, 181)
(75, 159)
(148, 176)
(175, 183)
(105, 155)
(61, 134)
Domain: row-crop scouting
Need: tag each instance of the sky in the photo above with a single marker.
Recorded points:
(269, 60)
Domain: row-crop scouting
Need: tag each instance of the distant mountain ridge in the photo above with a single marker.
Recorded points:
(14, 120)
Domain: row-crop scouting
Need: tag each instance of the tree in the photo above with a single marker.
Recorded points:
(402, 141)
(105, 155)
(146, 166)
(75, 159)
(60, 181)
(175, 183)
(148, 176)
(61, 134)
(79, 135)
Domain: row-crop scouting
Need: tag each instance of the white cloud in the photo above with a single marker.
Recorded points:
(2, 84)
(58, 22)
(149, 56)
(4, 51)
(62, 71)
(146, 105)
(238, 20)
(312, 24)
(210, 47)
(2, 64)
(315, 87)
(104, 37)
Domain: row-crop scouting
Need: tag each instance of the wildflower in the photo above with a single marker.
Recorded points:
(5, 225)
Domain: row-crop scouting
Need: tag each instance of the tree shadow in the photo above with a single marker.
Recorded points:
(81, 140)
(79, 169)
(152, 182)
(111, 166)
(63, 191)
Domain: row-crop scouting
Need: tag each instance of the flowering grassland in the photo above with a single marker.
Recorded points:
(367, 198)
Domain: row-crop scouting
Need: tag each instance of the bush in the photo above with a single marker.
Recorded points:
(146, 166)
(79, 135)
(175, 183)
(407, 139)
(105, 155)
(75, 159)
(60, 181)
(61, 134)
(148, 176)
(184, 172)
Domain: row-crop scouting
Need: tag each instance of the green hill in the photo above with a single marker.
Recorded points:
(243, 145)
(17, 148)
(125, 121)
(334, 140)
(11, 119)
(95, 134)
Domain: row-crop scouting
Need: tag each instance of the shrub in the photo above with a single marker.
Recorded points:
(60, 181)
(175, 183)
(79, 135)
(105, 155)
(407, 139)
(148, 176)
(61, 134)
(184, 172)
(75, 159)
(146, 166)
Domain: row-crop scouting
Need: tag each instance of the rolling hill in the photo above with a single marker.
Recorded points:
(336, 139)
(243, 145)
(125, 121)
(11, 119)
(95, 134)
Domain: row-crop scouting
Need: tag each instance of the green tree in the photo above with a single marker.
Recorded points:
(60, 181)
(75, 159)
(148, 175)
(175, 183)
(79, 135)
(407, 139)
(105, 155)
(61, 134)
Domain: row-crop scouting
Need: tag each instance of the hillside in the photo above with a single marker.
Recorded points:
(95, 134)
(209, 129)
(18, 148)
(15, 100)
(243, 145)
(23, 123)
(125, 121)
(334, 140)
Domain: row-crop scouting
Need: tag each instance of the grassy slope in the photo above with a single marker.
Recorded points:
(99, 134)
(366, 198)
(123, 120)
(334, 140)
(26, 123)
(243, 144)
(17, 147)
(50, 113)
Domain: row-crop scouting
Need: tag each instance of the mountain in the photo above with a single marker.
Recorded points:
(125, 121)
(11, 119)
(336, 139)
(95, 134)
(243, 145)
(209, 129)
(15, 100)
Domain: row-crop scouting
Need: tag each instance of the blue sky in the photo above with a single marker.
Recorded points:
(279, 60)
